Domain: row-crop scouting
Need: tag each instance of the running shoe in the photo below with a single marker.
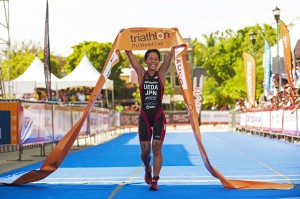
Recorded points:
(154, 185)
(148, 176)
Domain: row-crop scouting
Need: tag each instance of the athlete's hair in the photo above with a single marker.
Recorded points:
(152, 51)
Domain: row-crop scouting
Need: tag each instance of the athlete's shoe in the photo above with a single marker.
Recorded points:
(154, 185)
(148, 176)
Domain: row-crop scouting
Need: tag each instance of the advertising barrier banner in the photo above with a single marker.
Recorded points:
(62, 121)
(36, 123)
(9, 122)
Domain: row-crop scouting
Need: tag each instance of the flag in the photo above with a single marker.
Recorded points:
(267, 68)
(285, 37)
(47, 65)
(250, 76)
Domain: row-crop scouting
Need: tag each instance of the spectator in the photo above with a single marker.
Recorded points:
(135, 107)
(53, 97)
(119, 107)
(73, 98)
(81, 96)
(214, 107)
(223, 108)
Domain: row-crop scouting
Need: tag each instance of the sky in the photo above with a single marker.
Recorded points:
(75, 21)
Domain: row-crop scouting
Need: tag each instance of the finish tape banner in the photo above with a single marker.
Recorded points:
(143, 39)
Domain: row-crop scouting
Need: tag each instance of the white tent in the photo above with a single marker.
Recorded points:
(84, 74)
(33, 77)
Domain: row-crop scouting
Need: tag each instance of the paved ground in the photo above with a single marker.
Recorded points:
(11, 160)
(113, 169)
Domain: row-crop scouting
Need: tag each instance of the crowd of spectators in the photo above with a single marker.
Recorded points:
(286, 97)
(69, 95)
(133, 108)
(280, 96)
(74, 95)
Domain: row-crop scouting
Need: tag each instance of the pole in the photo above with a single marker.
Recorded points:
(278, 57)
(8, 67)
(7, 42)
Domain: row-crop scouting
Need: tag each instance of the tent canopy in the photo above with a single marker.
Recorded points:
(85, 74)
(33, 77)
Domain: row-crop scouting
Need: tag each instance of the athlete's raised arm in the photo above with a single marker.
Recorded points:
(166, 64)
(136, 65)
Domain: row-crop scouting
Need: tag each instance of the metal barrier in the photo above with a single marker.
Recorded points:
(273, 123)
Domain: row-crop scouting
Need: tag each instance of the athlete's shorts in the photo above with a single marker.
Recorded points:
(155, 127)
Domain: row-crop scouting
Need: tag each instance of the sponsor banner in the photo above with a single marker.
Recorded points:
(276, 120)
(250, 77)
(98, 120)
(267, 68)
(257, 119)
(10, 123)
(289, 122)
(177, 117)
(266, 120)
(131, 118)
(250, 119)
(215, 116)
(285, 37)
(198, 80)
(112, 119)
(243, 119)
(77, 113)
(141, 38)
(36, 124)
(281, 121)
(62, 121)
(238, 118)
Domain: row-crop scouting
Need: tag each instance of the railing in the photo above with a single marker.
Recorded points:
(277, 123)
(26, 124)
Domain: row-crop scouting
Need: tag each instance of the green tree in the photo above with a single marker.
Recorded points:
(97, 53)
(22, 55)
(221, 56)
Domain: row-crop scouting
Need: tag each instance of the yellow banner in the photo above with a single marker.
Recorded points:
(124, 41)
(148, 38)
(250, 77)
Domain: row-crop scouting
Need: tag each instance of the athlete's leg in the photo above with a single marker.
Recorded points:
(157, 163)
(145, 154)
(146, 158)
(157, 156)
(159, 131)
(145, 133)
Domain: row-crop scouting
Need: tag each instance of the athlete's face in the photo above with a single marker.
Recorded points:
(152, 61)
